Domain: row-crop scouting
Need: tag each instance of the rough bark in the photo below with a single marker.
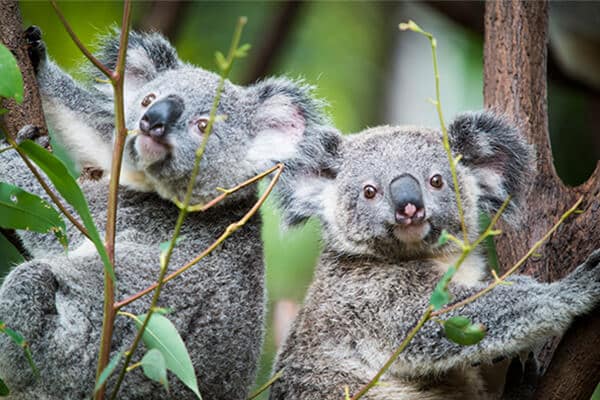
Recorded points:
(11, 35)
(30, 110)
(515, 58)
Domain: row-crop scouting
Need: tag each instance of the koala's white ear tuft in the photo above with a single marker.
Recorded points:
(289, 126)
(279, 125)
(500, 158)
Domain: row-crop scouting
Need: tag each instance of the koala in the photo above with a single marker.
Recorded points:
(55, 299)
(383, 203)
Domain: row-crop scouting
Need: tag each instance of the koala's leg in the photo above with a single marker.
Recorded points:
(516, 317)
(81, 119)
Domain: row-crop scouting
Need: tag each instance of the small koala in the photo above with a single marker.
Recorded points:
(383, 202)
(55, 299)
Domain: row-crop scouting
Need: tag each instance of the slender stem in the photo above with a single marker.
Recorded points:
(228, 231)
(78, 43)
(424, 318)
(226, 192)
(187, 199)
(411, 25)
(266, 385)
(117, 80)
(53, 196)
(516, 266)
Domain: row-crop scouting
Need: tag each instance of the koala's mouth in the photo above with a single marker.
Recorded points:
(150, 149)
(412, 233)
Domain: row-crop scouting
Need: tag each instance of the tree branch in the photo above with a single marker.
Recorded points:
(515, 59)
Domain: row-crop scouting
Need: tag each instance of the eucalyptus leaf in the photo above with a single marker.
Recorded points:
(162, 335)
(20, 341)
(488, 242)
(22, 210)
(443, 239)
(3, 389)
(11, 80)
(220, 59)
(108, 370)
(440, 295)
(460, 330)
(67, 186)
(155, 367)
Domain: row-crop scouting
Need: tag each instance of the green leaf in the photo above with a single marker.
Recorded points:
(11, 80)
(443, 239)
(221, 62)
(18, 339)
(488, 243)
(155, 367)
(460, 330)
(162, 335)
(22, 210)
(3, 389)
(108, 370)
(67, 186)
(242, 51)
(440, 295)
(3, 111)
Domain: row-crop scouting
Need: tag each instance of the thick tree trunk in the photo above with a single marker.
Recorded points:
(30, 110)
(11, 35)
(515, 56)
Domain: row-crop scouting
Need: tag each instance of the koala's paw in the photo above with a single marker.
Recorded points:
(31, 132)
(36, 47)
(585, 279)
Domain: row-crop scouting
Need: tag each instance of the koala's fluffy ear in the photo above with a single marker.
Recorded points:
(148, 54)
(289, 126)
(499, 156)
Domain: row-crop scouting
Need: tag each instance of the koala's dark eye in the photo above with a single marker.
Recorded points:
(202, 123)
(436, 181)
(369, 191)
(148, 99)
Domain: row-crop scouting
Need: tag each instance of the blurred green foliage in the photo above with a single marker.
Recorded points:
(344, 49)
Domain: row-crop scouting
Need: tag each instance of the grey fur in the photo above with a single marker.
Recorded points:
(374, 278)
(55, 300)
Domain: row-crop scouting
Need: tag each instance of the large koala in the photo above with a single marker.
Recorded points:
(55, 299)
(383, 200)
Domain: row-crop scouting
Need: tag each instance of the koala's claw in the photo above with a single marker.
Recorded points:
(35, 46)
(31, 132)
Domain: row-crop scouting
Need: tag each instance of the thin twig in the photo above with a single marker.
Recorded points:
(117, 80)
(516, 266)
(228, 231)
(226, 192)
(53, 196)
(394, 356)
(267, 385)
(184, 209)
(79, 44)
(411, 25)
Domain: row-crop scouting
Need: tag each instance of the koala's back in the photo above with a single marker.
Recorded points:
(213, 305)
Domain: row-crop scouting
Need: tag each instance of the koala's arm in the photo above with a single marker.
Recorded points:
(516, 316)
(80, 118)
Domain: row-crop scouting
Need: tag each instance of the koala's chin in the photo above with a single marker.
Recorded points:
(412, 233)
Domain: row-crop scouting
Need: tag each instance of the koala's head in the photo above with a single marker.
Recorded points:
(388, 191)
(168, 104)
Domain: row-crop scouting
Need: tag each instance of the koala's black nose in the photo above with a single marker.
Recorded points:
(407, 198)
(161, 116)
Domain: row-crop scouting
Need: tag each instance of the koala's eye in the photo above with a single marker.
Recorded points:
(202, 124)
(148, 99)
(436, 181)
(369, 191)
